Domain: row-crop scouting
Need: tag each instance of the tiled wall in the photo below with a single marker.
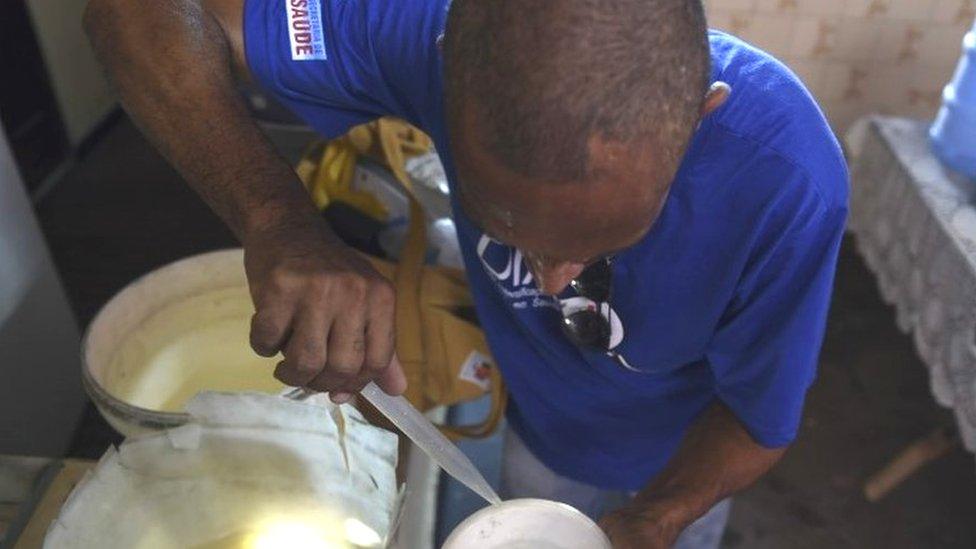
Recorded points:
(858, 56)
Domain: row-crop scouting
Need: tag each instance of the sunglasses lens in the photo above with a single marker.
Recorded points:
(594, 282)
(588, 329)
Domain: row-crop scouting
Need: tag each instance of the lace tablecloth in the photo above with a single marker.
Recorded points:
(915, 225)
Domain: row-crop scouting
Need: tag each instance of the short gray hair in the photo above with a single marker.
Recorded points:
(545, 75)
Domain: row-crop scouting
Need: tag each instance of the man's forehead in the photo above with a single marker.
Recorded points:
(612, 206)
(562, 222)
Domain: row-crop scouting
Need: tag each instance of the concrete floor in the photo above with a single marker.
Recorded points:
(123, 212)
(871, 399)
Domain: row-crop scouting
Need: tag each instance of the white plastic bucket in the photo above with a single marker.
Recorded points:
(248, 470)
(528, 524)
(192, 315)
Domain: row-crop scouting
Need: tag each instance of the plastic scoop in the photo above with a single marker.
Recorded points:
(424, 434)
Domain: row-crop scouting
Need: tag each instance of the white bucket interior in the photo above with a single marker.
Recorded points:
(527, 524)
(176, 331)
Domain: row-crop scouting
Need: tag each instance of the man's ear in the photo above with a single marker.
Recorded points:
(715, 98)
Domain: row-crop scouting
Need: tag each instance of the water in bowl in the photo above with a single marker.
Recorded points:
(195, 344)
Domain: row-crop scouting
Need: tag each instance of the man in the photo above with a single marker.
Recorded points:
(684, 182)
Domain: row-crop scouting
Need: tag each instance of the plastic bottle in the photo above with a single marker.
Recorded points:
(953, 134)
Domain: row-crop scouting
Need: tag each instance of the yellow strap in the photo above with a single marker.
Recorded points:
(393, 141)
(410, 340)
(397, 141)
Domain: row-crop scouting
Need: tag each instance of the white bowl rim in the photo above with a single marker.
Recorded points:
(107, 403)
(524, 504)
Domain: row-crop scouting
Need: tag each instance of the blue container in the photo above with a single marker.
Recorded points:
(953, 133)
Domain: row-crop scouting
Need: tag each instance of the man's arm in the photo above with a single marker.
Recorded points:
(171, 62)
(316, 301)
(716, 459)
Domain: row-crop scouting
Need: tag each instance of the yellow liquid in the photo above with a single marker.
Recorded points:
(193, 345)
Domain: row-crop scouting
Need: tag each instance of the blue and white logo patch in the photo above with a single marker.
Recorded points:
(305, 32)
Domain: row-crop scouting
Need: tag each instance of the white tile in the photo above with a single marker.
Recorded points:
(929, 83)
(834, 81)
(858, 56)
(940, 47)
(857, 8)
(819, 94)
(858, 39)
(945, 11)
(816, 97)
(891, 41)
(886, 87)
(740, 23)
(778, 6)
(806, 36)
(810, 71)
(923, 93)
(771, 33)
(731, 4)
(953, 11)
(822, 7)
(719, 19)
(916, 10)
(932, 78)
(843, 115)
(920, 111)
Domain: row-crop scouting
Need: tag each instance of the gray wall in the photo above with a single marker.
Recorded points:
(83, 93)
(40, 386)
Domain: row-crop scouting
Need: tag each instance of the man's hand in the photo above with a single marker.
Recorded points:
(717, 458)
(634, 527)
(324, 307)
(317, 302)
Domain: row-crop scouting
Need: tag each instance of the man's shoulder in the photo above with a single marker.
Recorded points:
(347, 61)
(772, 114)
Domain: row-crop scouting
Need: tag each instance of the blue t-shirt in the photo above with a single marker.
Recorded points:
(726, 298)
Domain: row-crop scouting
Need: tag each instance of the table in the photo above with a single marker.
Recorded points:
(914, 222)
(33, 491)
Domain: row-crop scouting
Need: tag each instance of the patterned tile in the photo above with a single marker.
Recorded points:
(810, 72)
(912, 10)
(808, 34)
(954, 11)
(858, 39)
(858, 56)
(860, 8)
(772, 33)
(731, 4)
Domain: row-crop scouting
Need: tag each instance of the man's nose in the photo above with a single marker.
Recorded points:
(552, 277)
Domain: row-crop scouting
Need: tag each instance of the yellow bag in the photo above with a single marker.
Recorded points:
(444, 355)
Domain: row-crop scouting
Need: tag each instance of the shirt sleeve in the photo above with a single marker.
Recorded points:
(764, 354)
(338, 63)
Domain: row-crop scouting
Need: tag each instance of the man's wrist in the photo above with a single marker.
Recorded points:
(276, 216)
(672, 513)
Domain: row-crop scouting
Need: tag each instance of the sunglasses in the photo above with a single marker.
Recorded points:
(589, 328)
